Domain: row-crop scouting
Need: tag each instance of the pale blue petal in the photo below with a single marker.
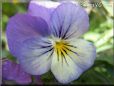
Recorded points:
(35, 55)
(69, 20)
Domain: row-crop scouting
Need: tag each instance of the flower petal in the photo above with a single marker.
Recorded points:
(64, 69)
(35, 55)
(69, 20)
(69, 65)
(23, 26)
(13, 71)
(46, 4)
(42, 9)
(86, 53)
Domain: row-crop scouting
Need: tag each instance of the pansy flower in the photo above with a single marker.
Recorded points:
(47, 38)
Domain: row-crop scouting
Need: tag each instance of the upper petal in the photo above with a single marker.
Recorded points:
(69, 20)
(42, 8)
(73, 59)
(23, 26)
(13, 71)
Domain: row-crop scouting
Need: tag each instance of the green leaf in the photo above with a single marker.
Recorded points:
(104, 38)
(106, 56)
(105, 47)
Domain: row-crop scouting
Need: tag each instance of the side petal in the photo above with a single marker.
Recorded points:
(69, 20)
(76, 57)
(85, 53)
(23, 26)
(13, 71)
(42, 9)
(35, 55)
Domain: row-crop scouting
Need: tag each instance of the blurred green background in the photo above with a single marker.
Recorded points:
(100, 33)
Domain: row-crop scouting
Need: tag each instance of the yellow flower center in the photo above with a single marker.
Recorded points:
(62, 48)
(59, 45)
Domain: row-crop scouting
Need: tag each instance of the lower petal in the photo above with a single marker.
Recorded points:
(77, 57)
(64, 69)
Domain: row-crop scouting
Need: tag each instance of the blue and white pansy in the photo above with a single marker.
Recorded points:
(47, 38)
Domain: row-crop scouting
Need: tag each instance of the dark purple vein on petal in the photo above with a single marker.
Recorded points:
(63, 56)
(72, 51)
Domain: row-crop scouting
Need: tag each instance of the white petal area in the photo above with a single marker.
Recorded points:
(69, 20)
(80, 56)
(86, 53)
(64, 71)
(35, 56)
